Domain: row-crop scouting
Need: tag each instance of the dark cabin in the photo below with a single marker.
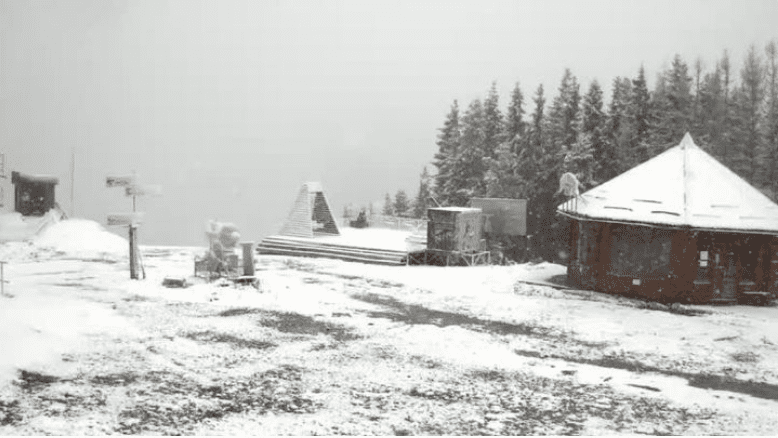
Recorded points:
(679, 227)
(33, 194)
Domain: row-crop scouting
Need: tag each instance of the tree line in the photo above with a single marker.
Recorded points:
(484, 151)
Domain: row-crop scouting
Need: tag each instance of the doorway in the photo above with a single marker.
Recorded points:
(723, 271)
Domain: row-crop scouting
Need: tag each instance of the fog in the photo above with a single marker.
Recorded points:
(231, 105)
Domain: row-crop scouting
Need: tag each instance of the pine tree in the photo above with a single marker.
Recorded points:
(402, 204)
(422, 201)
(388, 206)
(529, 160)
(750, 99)
(728, 137)
(579, 157)
(674, 104)
(502, 176)
(561, 135)
(514, 121)
(592, 126)
(530, 156)
(712, 112)
(771, 118)
(563, 113)
(448, 148)
(492, 123)
(468, 173)
(697, 119)
(618, 133)
(640, 118)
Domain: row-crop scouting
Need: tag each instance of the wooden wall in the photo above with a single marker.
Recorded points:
(664, 264)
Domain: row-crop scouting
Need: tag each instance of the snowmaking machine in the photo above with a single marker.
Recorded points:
(221, 260)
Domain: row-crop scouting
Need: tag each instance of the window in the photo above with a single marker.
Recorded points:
(640, 251)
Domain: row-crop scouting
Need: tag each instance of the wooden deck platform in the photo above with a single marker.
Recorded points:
(387, 247)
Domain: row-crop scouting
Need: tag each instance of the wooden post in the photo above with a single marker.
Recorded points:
(248, 258)
(133, 257)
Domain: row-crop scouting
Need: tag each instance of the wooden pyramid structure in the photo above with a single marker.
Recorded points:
(311, 214)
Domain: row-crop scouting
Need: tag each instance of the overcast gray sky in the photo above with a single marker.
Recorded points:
(231, 105)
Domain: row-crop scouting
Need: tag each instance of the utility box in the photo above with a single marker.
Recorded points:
(454, 229)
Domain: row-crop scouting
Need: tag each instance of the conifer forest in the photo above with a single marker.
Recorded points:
(730, 110)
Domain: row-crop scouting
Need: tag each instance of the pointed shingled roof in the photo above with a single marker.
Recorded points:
(681, 187)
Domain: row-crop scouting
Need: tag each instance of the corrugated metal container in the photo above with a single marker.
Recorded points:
(454, 229)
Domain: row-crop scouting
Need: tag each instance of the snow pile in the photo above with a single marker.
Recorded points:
(12, 227)
(15, 227)
(83, 239)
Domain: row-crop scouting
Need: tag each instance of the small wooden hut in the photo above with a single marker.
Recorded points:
(33, 194)
(679, 227)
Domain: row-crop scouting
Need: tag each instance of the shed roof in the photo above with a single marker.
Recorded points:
(17, 177)
(682, 187)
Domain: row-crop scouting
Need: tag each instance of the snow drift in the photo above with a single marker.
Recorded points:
(72, 238)
(83, 239)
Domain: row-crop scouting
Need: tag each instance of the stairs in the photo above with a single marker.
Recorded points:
(303, 247)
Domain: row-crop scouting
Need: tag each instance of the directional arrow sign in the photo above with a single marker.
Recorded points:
(120, 181)
(125, 218)
(143, 189)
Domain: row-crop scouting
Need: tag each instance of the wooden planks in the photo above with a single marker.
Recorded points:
(281, 245)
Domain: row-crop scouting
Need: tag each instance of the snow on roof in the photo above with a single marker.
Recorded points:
(17, 177)
(314, 187)
(682, 187)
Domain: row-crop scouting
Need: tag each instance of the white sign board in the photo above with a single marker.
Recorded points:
(120, 181)
(143, 189)
(125, 218)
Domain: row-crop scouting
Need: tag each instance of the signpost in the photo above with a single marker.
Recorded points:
(125, 219)
(134, 219)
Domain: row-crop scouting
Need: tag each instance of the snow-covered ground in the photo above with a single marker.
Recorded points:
(382, 345)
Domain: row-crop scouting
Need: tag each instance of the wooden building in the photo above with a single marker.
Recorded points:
(679, 227)
(33, 194)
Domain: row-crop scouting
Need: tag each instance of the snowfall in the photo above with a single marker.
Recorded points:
(324, 346)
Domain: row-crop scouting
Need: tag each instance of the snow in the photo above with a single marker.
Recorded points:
(84, 239)
(39, 322)
(46, 318)
(73, 238)
(15, 227)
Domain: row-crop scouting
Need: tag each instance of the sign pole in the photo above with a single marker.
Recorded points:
(133, 257)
